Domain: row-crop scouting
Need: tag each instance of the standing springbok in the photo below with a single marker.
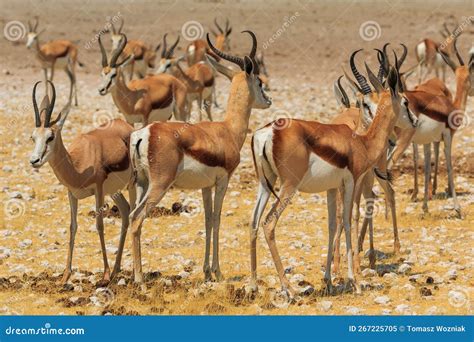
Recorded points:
(197, 50)
(56, 53)
(439, 116)
(427, 53)
(313, 157)
(196, 156)
(143, 55)
(95, 164)
(199, 79)
(154, 98)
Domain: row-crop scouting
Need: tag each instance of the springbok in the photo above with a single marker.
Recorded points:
(263, 70)
(199, 79)
(153, 98)
(143, 55)
(196, 156)
(439, 116)
(427, 51)
(95, 164)
(197, 50)
(56, 53)
(313, 157)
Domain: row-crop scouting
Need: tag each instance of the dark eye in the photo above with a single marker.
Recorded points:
(50, 139)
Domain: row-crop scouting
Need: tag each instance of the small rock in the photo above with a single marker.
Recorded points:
(296, 278)
(325, 305)
(183, 274)
(451, 274)
(382, 300)
(432, 310)
(368, 272)
(402, 308)
(352, 310)
(404, 268)
(386, 312)
(425, 292)
(390, 276)
(121, 282)
(25, 243)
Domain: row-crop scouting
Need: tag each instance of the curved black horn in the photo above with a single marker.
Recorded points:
(102, 50)
(118, 51)
(163, 52)
(360, 79)
(217, 25)
(234, 59)
(35, 106)
(461, 62)
(253, 51)
(345, 98)
(400, 85)
(50, 108)
(404, 55)
(170, 52)
(381, 58)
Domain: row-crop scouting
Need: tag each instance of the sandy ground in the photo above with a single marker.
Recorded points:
(305, 44)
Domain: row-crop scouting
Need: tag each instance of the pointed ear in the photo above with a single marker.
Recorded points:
(374, 80)
(392, 81)
(62, 116)
(228, 72)
(248, 65)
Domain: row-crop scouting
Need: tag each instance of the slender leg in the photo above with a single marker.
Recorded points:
(332, 225)
(207, 201)
(420, 71)
(337, 239)
(390, 194)
(72, 236)
(372, 258)
(52, 73)
(436, 162)
(448, 140)
(269, 225)
(346, 220)
(199, 101)
(124, 210)
(99, 203)
(363, 232)
(207, 107)
(221, 188)
(427, 152)
(214, 95)
(355, 229)
(262, 200)
(415, 172)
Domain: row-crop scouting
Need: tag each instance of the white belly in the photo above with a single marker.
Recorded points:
(322, 176)
(163, 114)
(115, 182)
(195, 175)
(428, 130)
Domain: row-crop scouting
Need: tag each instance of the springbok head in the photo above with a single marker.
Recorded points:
(110, 68)
(222, 35)
(464, 72)
(167, 60)
(248, 74)
(46, 131)
(33, 33)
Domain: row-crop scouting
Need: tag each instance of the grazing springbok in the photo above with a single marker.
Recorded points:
(196, 156)
(95, 164)
(427, 52)
(56, 53)
(154, 98)
(439, 117)
(313, 157)
(144, 55)
(199, 79)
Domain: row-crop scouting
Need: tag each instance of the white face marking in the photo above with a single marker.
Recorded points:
(108, 79)
(30, 39)
(262, 101)
(44, 140)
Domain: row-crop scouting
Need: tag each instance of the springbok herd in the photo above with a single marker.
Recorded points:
(149, 152)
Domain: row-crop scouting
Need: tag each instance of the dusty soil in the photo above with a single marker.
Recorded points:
(433, 274)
